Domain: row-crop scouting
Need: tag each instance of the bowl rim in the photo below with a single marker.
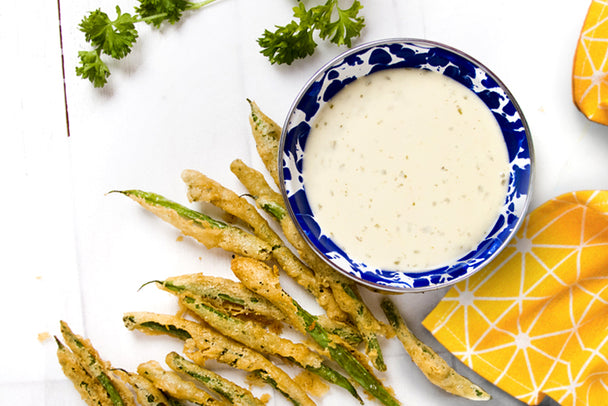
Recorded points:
(415, 42)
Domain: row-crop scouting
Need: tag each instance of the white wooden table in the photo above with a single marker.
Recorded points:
(71, 252)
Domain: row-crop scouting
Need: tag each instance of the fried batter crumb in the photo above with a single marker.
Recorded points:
(311, 383)
(42, 337)
(254, 381)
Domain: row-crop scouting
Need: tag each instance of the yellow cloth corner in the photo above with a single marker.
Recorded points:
(590, 70)
(535, 321)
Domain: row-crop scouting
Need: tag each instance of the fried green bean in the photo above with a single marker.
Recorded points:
(230, 295)
(147, 394)
(264, 280)
(235, 394)
(171, 383)
(202, 188)
(259, 339)
(251, 334)
(267, 135)
(344, 291)
(205, 343)
(89, 388)
(254, 181)
(96, 367)
(237, 300)
(430, 363)
(210, 232)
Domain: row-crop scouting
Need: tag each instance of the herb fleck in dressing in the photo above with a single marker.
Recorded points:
(406, 169)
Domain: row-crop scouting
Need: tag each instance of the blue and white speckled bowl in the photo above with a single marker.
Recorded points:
(394, 54)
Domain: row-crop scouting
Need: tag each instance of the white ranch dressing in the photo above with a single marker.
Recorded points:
(405, 169)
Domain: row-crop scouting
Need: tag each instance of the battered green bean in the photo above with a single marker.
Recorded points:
(236, 299)
(430, 363)
(235, 394)
(202, 188)
(266, 342)
(89, 388)
(263, 280)
(208, 231)
(225, 293)
(95, 366)
(171, 383)
(251, 334)
(147, 394)
(267, 135)
(205, 343)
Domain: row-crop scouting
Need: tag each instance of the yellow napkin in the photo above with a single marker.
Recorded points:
(590, 71)
(535, 321)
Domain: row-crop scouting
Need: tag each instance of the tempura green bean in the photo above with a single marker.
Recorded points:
(430, 363)
(208, 231)
(263, 280)
(171, 383)
(235, 394)
(259, 339)
(202, 188)
(95, 366)
(205, 343)
(90, 389)
(236, 299)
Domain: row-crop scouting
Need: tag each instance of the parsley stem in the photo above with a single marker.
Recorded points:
(190, 7)
(196, 6)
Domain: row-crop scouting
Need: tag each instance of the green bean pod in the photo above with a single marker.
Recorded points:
(430, 363)
(202, 188)
(210, 232)
(203, 343)
(263, 280)
(237, 300)
(266, 342)
(89, 388)
(171, 383)
(147, 394)
(235, 394)
(92, 363)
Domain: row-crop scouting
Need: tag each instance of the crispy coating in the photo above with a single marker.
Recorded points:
(267, 135)
(233, 393)
(264, 281)
(228, 238)
(237, 300)
(202, 188)
(89, 388)
(171, 383)
(203, 343)
(227, 294)
(95, 366)
(251, 334)
(430, 363)
(147, 394)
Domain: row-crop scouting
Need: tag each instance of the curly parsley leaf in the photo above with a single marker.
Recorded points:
(155, 12)
(114, 38)
(348, 25)
(288, 43)
(295, 40)
(92, 68)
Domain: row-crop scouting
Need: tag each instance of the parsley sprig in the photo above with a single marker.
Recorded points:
(296, 39)
(115, 38)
